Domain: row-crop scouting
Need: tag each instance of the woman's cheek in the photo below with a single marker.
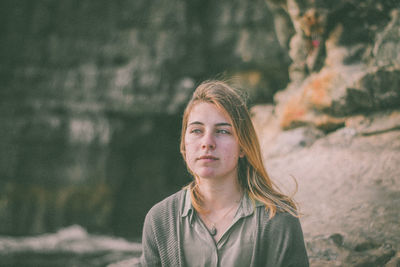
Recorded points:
(189, 153)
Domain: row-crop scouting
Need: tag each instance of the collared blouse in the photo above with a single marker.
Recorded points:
(174, 236)
(235, 246)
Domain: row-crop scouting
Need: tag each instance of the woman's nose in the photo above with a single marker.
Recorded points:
(208, 142)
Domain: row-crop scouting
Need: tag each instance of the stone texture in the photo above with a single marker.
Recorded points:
(386, 49)
(91, 94)
(71, 246)
(348, 189)
(376, 123)
(344, 82)
(350, 78)
(244, 47)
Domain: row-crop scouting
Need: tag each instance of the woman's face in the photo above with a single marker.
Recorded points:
(212, 150)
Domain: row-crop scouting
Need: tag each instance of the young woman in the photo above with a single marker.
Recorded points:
(231, 214)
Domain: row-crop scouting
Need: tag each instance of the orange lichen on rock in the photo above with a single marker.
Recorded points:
(308, 105)
(293, 113)
(317, 92)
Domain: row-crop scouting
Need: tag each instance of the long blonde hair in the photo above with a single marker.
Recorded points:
(252, 174)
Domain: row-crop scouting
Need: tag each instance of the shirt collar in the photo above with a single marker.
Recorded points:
(246, 208)
(187, 204)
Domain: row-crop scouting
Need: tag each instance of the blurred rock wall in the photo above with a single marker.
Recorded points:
(335, 129)
(91, 94)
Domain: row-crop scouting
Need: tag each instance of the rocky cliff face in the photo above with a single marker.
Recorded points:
(335, 129)
(91, 96)
(91, 101)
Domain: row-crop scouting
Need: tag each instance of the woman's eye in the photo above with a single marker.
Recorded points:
(222, 131)
(195, 131)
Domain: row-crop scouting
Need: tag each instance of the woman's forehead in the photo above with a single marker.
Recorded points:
(208, 112)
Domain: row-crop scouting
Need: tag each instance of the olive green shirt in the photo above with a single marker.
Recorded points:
(235, 246)
(174, 236)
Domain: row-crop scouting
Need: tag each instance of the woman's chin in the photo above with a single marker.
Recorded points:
(206, 174)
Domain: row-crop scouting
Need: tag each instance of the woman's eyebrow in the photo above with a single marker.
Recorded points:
(196, 123)
(217, 124)
(223, 124)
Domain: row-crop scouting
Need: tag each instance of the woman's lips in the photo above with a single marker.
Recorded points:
(207, 158)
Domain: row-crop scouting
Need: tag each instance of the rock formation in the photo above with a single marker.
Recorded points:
(71, 246)
(92, 95)
(335, 129)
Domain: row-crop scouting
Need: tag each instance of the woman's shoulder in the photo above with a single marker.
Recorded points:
(281, 220)
(168, 206)
(284, 229)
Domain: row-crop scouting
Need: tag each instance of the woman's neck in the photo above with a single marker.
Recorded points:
(219, 195)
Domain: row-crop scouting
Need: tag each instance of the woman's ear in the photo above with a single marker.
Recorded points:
(241, 153)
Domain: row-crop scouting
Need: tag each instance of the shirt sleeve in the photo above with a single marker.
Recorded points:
(150, 254)
(283, 242)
